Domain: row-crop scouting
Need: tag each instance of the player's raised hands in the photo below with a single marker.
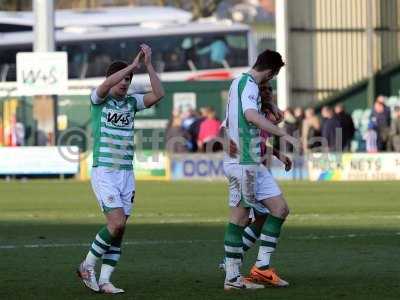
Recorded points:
(147, 53)
(136, 61)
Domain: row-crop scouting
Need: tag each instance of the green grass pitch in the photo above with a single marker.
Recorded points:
(341, 241)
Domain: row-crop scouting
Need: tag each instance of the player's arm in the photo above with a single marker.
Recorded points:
(104, 88)
(157, 92)
(249, 98)
(253, 116)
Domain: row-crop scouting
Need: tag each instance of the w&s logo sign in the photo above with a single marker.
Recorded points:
(119, 119)
(42, 73)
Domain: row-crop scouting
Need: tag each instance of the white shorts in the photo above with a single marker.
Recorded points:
(114, 188)
(249, 185)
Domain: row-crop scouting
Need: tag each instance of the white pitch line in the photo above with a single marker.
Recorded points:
(166, 242)
(59, 245)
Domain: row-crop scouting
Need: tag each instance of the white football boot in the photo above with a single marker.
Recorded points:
(109, 288)
(241, 283)
(88, 276)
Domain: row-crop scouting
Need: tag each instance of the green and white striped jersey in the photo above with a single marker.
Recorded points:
(113, 130)
(243, 95)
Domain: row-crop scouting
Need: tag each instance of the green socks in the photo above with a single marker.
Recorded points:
(100, 245)
(110, 260)
(233, 250)
(269, 238)
(250, 236)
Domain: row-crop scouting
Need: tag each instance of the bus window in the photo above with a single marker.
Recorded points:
(8, 61)
(214, 51)
(169, 53)
(237, 43)
(14, 28)
(200, 52)
(172, 53)
(77, 59)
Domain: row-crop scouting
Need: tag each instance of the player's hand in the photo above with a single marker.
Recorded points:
(275, 118)
(286, 161)
(279, 116)
(276, 112)
(147, 54)
(232, 149)
(136, 61)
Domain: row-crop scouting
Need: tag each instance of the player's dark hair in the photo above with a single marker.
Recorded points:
(269, 60)
(116, 66)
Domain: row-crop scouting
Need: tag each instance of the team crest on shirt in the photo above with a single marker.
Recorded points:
(119, 119)
(253, 97)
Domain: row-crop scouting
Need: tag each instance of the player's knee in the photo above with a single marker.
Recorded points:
(285, 211)
(243, 220)
(239, 216)
(280, 210)
(117, 227)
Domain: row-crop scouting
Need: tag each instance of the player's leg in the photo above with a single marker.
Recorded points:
(110, 261)
(240, 186)
(271, 229)
(272, 198)
(113, 255)
(252, 231)
(102, 243)
(108, 198)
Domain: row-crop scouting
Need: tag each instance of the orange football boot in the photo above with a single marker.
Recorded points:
(267, 277)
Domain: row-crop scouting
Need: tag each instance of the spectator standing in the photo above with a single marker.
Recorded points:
(299, 115)
(209, 132)
(347, 125)
(20, 133)
(329, 129)
(291, 127)
(189, 120)
(311, 130)
(371, 137)
(324, 113)
(386, 109)
(381, 118)
(395, 130)
(175, 136)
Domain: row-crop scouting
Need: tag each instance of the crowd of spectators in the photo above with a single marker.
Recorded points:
(384, 127)
(335, 129)
(193, 131)
(332, 129)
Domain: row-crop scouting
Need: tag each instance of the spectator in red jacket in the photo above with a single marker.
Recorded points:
(209, 131)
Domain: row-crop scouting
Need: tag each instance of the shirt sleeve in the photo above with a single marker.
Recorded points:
(95, 99)
(249, 97)
(139, 102)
